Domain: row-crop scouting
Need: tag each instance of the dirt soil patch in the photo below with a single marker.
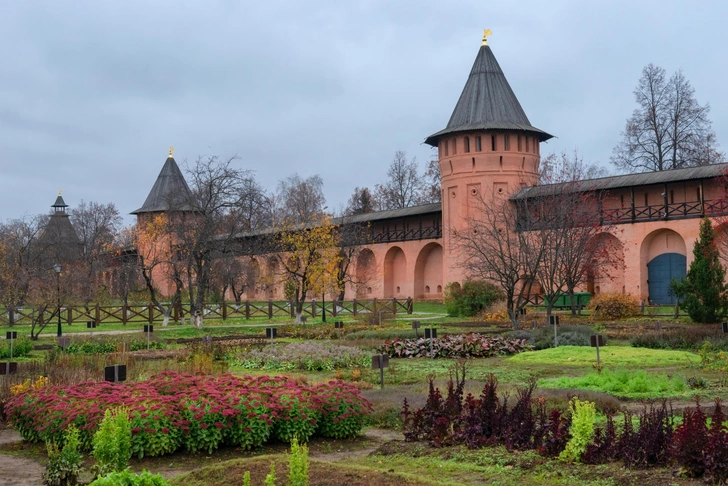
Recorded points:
(320, 474)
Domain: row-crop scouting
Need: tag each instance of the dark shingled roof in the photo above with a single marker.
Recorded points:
(390, 214)
(487, 103)
(170, 184)
(627, 180)
(60, 203)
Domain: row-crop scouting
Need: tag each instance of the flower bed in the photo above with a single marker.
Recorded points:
(194, 412)
(456, 346)
(308, 356)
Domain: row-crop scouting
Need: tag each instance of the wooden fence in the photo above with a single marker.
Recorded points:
(148, 313)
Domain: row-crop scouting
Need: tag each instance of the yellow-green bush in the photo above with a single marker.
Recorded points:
(614, 306)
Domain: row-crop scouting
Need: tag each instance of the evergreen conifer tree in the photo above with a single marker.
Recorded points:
(703, 292)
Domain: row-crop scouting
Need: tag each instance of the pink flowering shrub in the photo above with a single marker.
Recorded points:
(194, 412)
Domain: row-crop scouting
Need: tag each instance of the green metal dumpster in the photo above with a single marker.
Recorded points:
(564, 301)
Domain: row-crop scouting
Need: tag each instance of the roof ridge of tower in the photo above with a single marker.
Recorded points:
(170, 186)
(487, 102)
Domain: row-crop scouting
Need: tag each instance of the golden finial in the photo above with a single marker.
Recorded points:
(171, 149)
(59, 192)
(486, 33)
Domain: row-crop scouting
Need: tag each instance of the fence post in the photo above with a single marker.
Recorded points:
(333, 307)
(375, 306)
(151, 313)
(293, 309)
(270, 309)
(175, 312)
(394, 305)
(224, 310)
(123, 314)
(313, 308)
(97, 314)
(11, 316)
(355, 307)
(70, 315)
(410, 305)
(247, 310)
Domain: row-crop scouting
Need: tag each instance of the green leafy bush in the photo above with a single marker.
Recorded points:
(298, 464)
(270, 479)
(128, 478)
(21, 348)
(614, 306)
(583, 416)
(64, 465)
(112, 442)
(104, 347)
(470, 298)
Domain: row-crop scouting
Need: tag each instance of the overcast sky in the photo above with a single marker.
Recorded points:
(93, 93)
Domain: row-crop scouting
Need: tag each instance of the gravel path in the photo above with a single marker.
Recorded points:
(16, 470)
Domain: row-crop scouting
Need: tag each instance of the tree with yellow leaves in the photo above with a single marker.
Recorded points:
(309, 257)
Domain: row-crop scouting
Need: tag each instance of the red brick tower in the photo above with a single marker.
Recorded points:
(488, 149)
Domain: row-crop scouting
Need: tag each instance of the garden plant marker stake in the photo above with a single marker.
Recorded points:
(11, 335)
(596, 341)
(380, 361)
(149, 329)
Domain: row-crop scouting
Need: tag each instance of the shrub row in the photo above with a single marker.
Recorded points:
(195, 412)
(543, 338)
(657, 436)
(308, 356)
(103, 347)
(21, 348)
(691, 338)
(470, 345)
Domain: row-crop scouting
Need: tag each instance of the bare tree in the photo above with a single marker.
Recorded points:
(361, 202)
(210, 221)
(96, 226)
(492, 247)
(669, 129)
(403, 187)
(300, 200)
(22, 258)
(432, 191)
(555, 169)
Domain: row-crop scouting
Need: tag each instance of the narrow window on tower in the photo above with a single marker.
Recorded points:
(444, 146)
(492, 142)
(466, 144)
(519, 143)
(478, 148)
(506, 142)
(454, 146)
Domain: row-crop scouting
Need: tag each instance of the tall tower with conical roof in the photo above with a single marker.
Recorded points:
(167, 199)
(169, 192)
(488, 149)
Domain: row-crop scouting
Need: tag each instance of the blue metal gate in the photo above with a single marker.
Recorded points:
(660, 272)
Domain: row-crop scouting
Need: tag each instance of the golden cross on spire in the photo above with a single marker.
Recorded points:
(486, 33)
(171, 149)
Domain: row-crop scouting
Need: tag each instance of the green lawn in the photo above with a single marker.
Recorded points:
(611, 356)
